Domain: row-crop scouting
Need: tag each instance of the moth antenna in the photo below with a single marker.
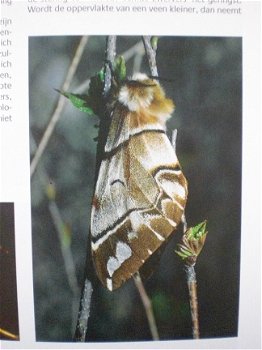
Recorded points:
(139, 83)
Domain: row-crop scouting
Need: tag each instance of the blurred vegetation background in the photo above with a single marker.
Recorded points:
(207, 90)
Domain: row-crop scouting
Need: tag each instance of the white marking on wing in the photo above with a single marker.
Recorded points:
(123, 252)
(109, 284)
(161, 238)
(173, 188)
(96, 245)
(112, 265)
(131, 235)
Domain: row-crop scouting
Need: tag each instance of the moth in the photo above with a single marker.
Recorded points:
(141, 192)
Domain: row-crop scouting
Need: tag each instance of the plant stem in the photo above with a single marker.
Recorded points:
(59, 107)
(84, 312)
(147, 305)
(151, 55)
(192, 288)
(110, 57)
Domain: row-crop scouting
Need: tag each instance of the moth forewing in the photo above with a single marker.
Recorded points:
(141, 191)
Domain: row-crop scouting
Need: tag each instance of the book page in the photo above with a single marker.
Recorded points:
(130, 174)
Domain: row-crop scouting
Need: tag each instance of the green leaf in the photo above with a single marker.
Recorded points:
(193, 241)
(91, 102)
(95, 91)
(154, 42)
(183, 256)
(197, 231)
(120, 68)
(184, 253)
(96, 83)
(78, 101)
(101, 75)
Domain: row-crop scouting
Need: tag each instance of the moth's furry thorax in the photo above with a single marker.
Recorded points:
(143, 94)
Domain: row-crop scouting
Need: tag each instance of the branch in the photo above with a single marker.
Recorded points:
(151, 55)
(60, 105)
(84, 312)
(192, 288)
(147, 305)
(110, 57)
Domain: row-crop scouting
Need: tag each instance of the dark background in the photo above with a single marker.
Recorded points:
(207, 90)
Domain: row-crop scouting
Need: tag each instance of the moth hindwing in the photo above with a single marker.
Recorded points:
(141, 191)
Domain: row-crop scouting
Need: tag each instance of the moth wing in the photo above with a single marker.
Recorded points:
(155, 158)
(134, 204)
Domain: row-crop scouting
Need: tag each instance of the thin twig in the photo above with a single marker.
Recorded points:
(184, 222)
(192, 288)
(110, 57)
(60, 105)
(65, 248)
(84, 312)
(151, 55)
(147, 305)
(173, 140)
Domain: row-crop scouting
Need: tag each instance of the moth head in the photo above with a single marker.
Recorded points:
(144, 94)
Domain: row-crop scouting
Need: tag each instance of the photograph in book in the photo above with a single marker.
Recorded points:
(9, 325)
(135, 169)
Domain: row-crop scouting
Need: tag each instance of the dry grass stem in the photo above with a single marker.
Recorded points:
(60, 105)
(147, 305)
